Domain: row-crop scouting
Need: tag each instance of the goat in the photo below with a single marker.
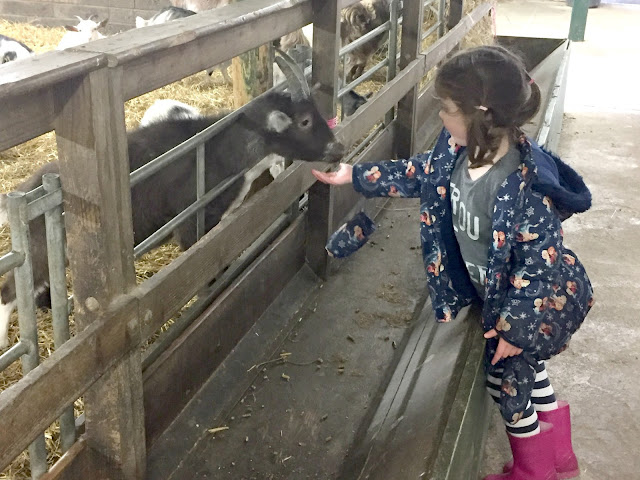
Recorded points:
(11, 49)
(351, 101)
(162, 110)
(200, 5)
(165, 15)
(84, 32)
(355, 21)
(283, 123)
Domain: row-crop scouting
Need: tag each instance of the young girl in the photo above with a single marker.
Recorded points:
(492, 203)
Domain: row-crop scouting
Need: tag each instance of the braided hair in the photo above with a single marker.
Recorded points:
(492, 88)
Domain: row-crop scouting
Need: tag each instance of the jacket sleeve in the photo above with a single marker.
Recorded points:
(391, 178)
(534, 275)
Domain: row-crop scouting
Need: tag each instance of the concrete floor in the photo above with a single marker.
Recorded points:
(597, 374)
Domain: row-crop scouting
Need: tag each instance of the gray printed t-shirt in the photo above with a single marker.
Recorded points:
(472, 204)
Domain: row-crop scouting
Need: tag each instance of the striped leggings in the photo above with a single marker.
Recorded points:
(543, 399)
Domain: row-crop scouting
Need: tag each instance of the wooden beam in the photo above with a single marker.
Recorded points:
(326, 44)
(81, 461)
(207, 342)
(94, 167)
(36, 401)
(409, 51)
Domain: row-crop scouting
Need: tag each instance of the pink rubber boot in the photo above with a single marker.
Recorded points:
(565, 460)
(533, 457)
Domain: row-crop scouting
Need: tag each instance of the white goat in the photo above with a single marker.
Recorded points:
(84, 32)
(167, 109)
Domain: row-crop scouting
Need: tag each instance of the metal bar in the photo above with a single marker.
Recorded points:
(35, 193)
(58, 291)
(163, 232)
(441, 18)
(430, 30)
(362, 78)
(234, 270)
(44, 203)
(364, 39)
(392, 52)
(13, 354)
(10, 261)
(19, 223)
(200, 189)
(578, 23)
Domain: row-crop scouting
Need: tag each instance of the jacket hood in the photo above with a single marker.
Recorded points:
(560, 182)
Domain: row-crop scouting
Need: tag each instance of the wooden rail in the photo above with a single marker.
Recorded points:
(80, 94)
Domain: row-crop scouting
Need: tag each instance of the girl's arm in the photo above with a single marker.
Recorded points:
(391, 178)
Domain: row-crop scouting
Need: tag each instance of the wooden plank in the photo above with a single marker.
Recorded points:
(413, 12)
(429, 120)
(167, 291)
(94, 166)
(208, 341)
(326, 44)
(162, 54)
(455, 13)
(81, 461)
(461, 450)
(45, 71)
(36, 401)
(412, 416)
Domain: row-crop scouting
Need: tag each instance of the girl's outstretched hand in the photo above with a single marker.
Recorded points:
(504, 350)
(340, 177)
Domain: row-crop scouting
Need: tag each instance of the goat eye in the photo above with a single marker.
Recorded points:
(305, 122)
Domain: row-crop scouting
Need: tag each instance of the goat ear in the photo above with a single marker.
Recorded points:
(102, 23)
(278, 121)
(71, 28)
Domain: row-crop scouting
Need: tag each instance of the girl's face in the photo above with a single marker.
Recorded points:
(454, 121)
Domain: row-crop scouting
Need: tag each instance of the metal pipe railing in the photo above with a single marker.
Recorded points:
(56, 257)
(23, 275)
(163, 232)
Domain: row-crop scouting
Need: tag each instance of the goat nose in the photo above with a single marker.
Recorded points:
(333, 152)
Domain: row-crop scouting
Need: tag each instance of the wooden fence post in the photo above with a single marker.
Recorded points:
(94, 165)
(326, 45)
(409, 51)
(455, 13)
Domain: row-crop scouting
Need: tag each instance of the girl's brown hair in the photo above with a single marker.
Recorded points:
(495, 78)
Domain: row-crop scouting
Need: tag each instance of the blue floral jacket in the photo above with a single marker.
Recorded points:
(537, 292)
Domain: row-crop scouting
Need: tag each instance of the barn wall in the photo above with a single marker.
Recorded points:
(121, 13)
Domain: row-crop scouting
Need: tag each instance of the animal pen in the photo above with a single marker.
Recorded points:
(205, 401)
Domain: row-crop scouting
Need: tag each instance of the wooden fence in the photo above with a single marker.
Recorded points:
(80, 94)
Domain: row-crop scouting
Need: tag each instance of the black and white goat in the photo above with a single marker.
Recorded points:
(165, 15)
(11, 49)
(283, 123)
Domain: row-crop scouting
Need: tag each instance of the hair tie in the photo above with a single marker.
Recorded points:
(482, 107)
(332, 122)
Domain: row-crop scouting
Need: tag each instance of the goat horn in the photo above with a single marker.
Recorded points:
(295, 76)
